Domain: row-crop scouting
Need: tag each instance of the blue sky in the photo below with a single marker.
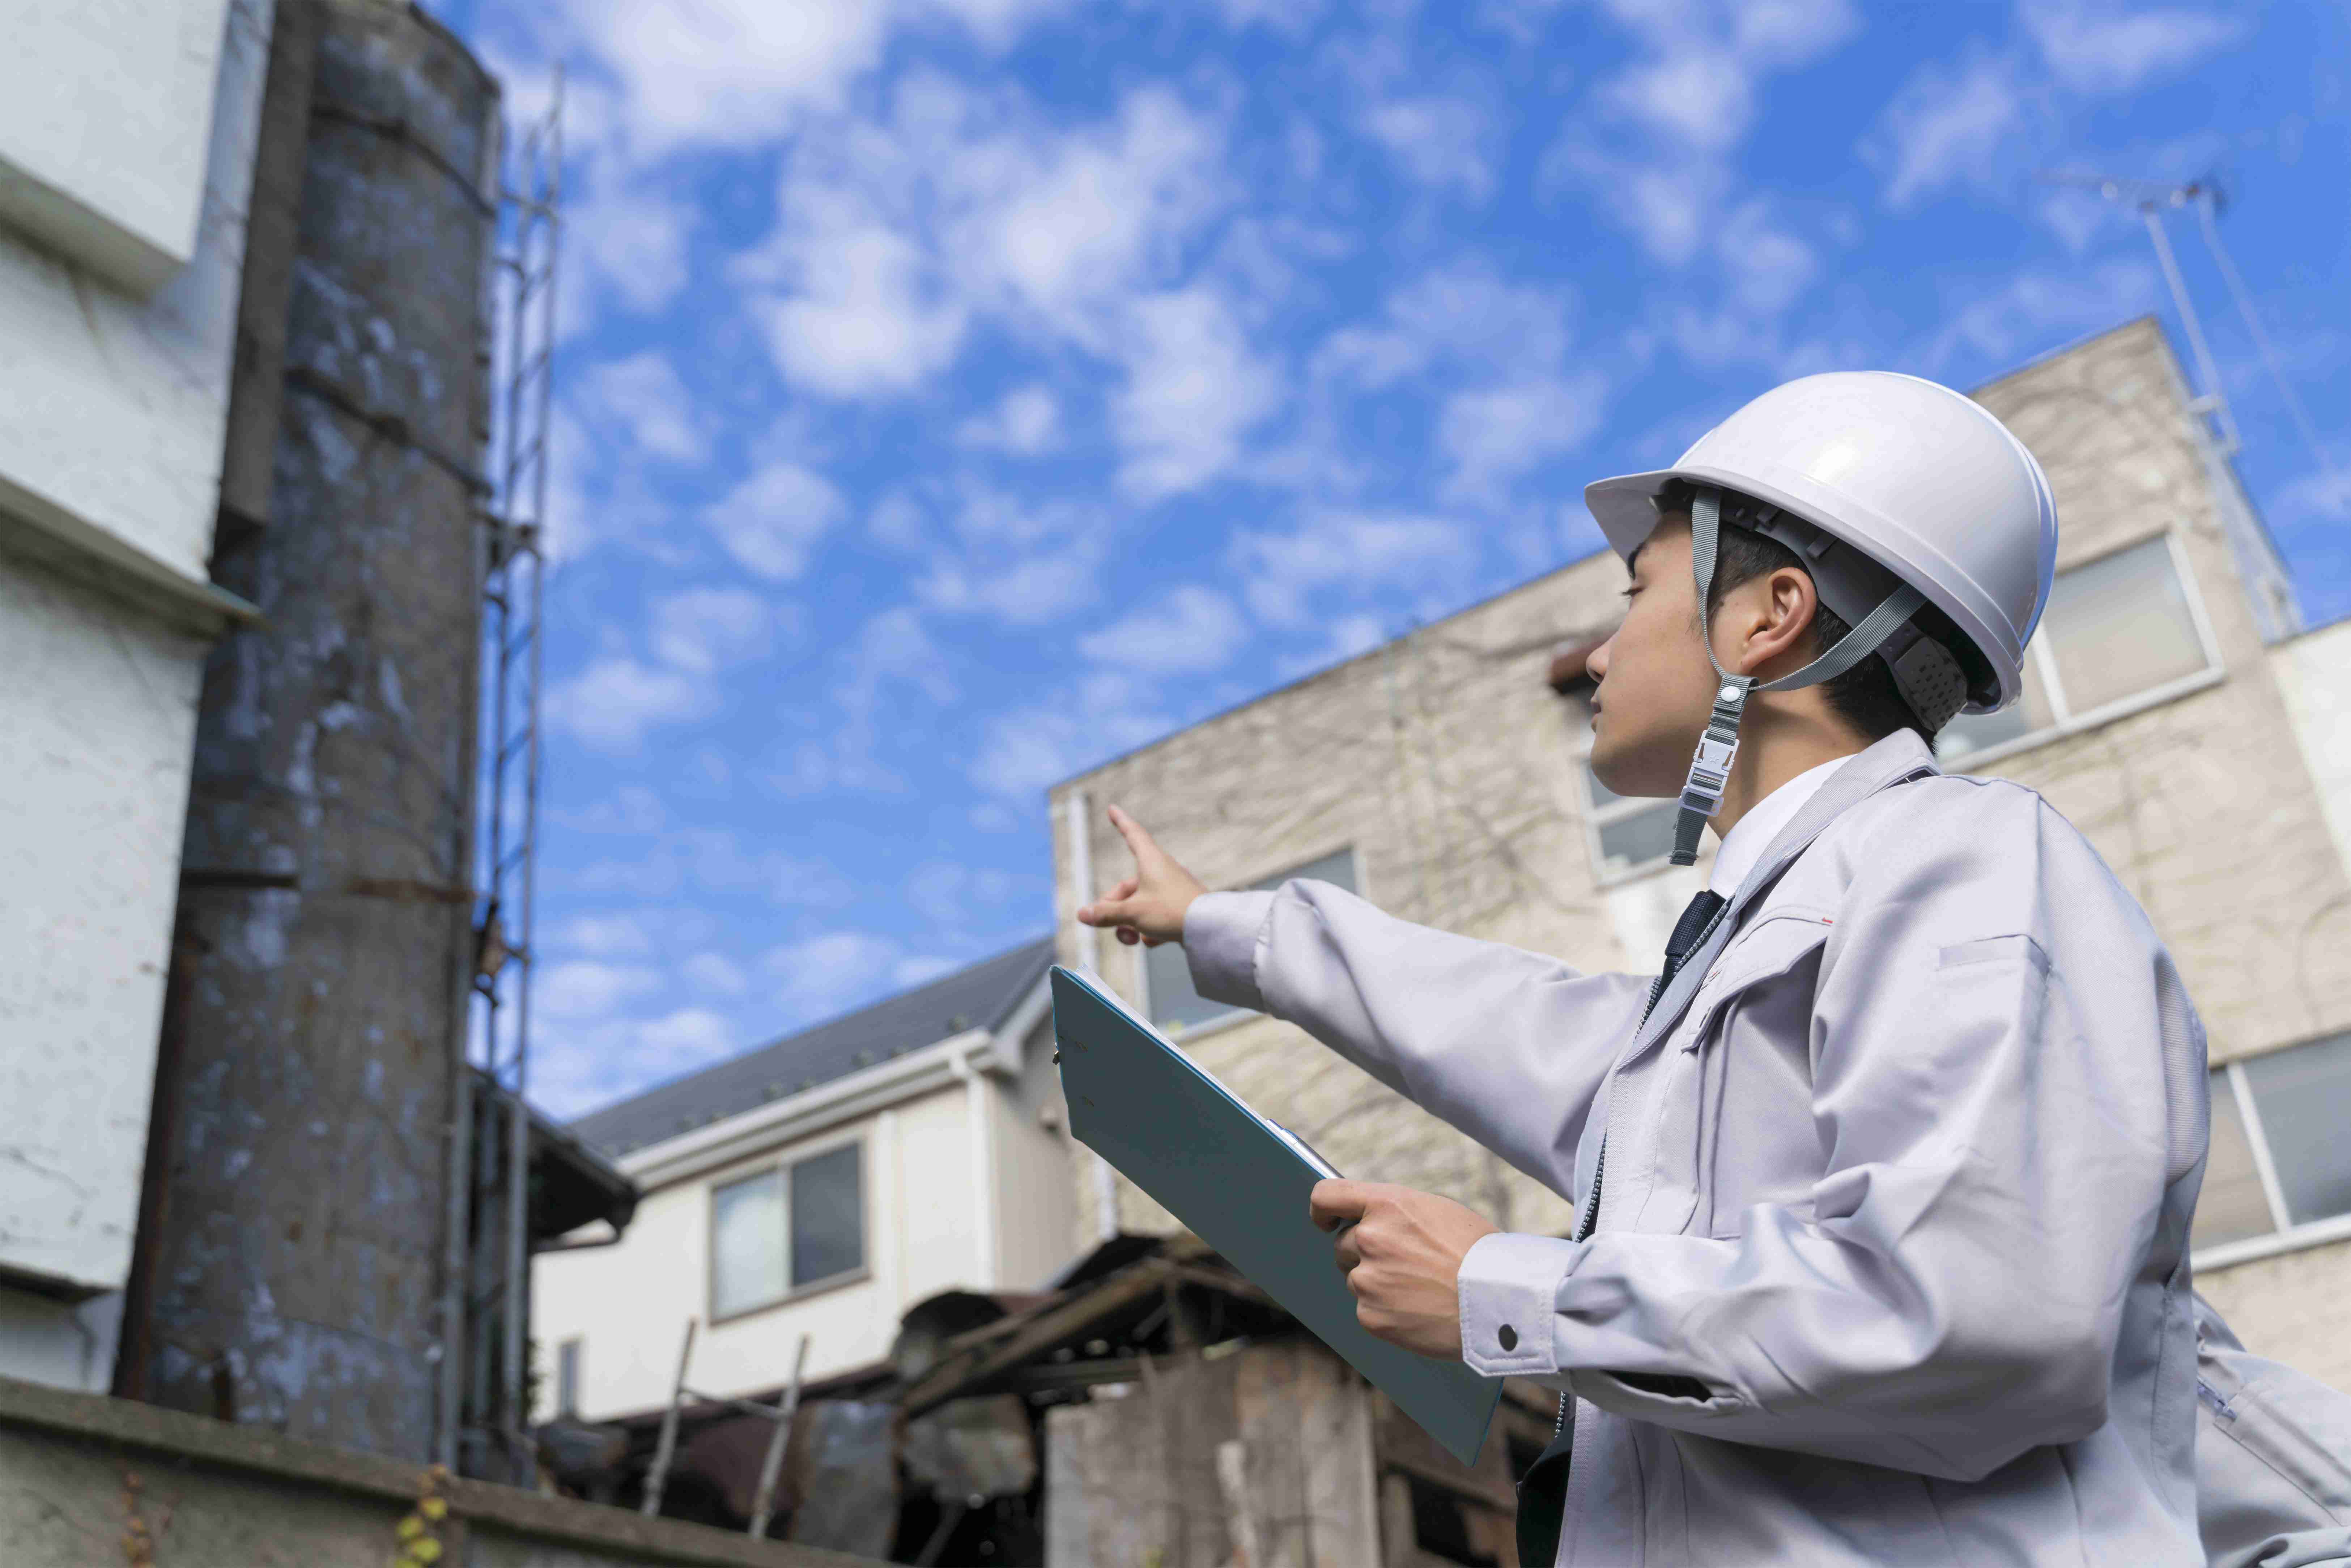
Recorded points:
(953, 393)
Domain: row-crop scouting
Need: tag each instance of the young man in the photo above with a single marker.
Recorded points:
(1884, 1182)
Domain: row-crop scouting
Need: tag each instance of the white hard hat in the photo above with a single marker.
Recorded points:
(1922, 480)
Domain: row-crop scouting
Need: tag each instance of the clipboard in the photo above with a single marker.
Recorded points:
(1239, 1181)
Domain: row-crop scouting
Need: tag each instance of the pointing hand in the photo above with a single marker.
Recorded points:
(1147, 907)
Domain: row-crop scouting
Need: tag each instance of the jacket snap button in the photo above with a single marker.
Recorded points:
(1509, 1336)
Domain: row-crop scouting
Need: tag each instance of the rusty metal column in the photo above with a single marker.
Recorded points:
(298, 1267)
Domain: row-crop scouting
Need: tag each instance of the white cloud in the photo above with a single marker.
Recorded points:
(2102, 46)
(1768, 266)
(1652, 146)
(1494, 435)
(2038, 310)
(772, 520)
(1024, 750)
(614, 702)
(632, 239)
(868, 314)
(681, 1041)
(1030, 592)
(895, 234)
(600, 936)
(1194, 389)
(1441, 142)
(1189, 631)
(821, 976)
(1360, 552)
(715, 973)
(587, 989)
(1946, 125)
(1027, 422)
(703, 630)
(711, 861)
(642, 396)
(1342, 639)
(632, 809)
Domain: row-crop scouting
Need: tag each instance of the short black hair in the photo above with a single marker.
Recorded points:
(1863, 696)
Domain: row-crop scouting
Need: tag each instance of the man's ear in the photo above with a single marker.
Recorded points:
(1790, 606)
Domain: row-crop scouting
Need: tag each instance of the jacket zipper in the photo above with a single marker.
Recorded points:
(1582, 1231)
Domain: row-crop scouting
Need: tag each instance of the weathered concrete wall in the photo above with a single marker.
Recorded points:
(84, 1481)
(2314, 672)
(323, 947)
(1446, 763)
(111, 410)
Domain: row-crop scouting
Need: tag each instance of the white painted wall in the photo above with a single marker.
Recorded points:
(1037, 1208)
(113, 406)
(2313, 671)
(112, 414)
(629, 1304)
(104, 105)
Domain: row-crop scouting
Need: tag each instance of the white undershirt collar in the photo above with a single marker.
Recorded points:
(1745, 844)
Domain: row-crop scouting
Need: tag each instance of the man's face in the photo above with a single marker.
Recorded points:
(1656, 685)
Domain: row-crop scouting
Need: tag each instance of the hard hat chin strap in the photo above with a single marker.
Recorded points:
(1709, 771)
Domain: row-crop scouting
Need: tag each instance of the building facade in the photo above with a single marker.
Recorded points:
(2174, 711)
(819, 1185)
(127, 142)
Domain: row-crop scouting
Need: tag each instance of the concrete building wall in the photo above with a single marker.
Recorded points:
(2313, 675)
(1454, 772)
(127, 136)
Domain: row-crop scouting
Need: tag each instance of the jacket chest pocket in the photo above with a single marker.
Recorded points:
(1732, 1117)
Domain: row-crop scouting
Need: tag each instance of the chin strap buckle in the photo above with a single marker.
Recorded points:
(1709, 772)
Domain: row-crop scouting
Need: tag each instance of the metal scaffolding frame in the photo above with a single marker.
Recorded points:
(496, 1416)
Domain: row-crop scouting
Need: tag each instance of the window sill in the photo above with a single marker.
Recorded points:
(2252, 1249)
(2138, 703)
(798, 1294)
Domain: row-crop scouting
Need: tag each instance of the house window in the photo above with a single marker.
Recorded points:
(1626, 833)
(785, 1230)
(567, 1380)
(1168, 997)
(2278, 1160)
(2120, 632)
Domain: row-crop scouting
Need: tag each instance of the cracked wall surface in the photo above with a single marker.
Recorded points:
(111, 412)
(1446, 763)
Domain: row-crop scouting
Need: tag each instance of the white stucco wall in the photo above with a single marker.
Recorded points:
(112, 414)
(113, 406)
(629, 1304)
(104, 105)
(2313, 671)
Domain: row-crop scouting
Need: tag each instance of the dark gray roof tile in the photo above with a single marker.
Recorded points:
(981, 997)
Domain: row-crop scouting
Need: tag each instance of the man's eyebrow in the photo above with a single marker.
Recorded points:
(1633, 561)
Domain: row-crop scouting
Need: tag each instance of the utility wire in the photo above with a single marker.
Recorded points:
(2238, 292)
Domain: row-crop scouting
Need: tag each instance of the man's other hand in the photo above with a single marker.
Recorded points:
(1402, 1258)
(1147, 907)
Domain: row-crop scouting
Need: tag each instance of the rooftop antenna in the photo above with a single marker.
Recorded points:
(2152, 198)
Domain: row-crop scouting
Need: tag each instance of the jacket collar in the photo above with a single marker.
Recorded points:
(1896, 759)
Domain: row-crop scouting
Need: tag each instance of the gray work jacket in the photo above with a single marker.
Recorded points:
(1891, 1260)
(2273, 1459)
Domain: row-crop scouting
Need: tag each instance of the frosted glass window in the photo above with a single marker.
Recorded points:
(746, 1243)
(828, 1216)
(2232, 1204)
(2120, 625)
(567, 1379)
(2302, 1096)
(1637, 838)
(1167, 973)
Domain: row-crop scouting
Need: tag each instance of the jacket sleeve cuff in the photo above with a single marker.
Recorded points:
(1221, 933)
(1508, 1287)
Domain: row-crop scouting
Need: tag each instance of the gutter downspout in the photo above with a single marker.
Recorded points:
(981, 1120)
(1081, 875)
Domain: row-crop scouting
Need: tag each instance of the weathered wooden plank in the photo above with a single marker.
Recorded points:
(1306, 1428)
